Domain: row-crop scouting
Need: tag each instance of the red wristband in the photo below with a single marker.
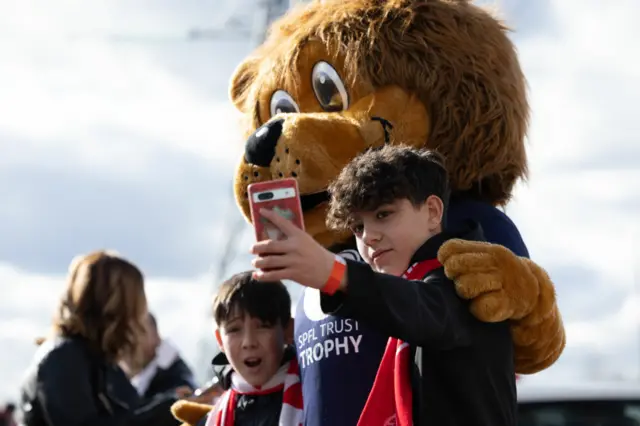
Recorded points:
(337, 274)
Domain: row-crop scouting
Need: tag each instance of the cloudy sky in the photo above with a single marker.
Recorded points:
(115, 131)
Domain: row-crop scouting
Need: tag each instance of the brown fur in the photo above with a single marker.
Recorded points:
(445, 75)
(188, 412)
(502, 286)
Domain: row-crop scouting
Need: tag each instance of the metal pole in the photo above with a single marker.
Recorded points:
(263, 18)
(267, 11)
(636, 281)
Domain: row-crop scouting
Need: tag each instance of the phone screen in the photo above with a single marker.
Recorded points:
(284, 201)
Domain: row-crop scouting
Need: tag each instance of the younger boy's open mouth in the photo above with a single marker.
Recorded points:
(252, 362)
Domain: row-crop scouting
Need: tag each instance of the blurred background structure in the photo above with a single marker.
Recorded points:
(239, 235)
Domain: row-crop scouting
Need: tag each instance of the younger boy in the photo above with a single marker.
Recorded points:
(441, 366)
(257, 367)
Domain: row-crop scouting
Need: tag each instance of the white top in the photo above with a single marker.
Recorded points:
(166, 354)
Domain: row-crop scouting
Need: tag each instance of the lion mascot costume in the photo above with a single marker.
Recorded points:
(337, 77)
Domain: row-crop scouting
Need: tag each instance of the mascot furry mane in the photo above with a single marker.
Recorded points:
(478, 124)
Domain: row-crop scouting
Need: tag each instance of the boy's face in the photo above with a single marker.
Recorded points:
(389, 236)
(254, 348)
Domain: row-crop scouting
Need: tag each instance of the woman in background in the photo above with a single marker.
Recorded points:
(74, 379)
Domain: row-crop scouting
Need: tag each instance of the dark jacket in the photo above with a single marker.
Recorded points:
(463, 372)
(70, 385)
(251, 410)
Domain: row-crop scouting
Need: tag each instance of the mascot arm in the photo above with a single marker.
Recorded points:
(503, 286)
(190, 413)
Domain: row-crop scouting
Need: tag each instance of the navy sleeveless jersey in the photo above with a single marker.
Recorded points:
(339, 357)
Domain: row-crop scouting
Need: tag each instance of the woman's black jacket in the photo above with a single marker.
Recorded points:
(68, 384)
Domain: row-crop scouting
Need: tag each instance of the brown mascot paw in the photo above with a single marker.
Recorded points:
(503, 286)
(542, 353)
(539, 337)
(499, 285)
(190, 413)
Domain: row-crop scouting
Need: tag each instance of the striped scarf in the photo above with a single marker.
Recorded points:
(286, 379)
(390, 401)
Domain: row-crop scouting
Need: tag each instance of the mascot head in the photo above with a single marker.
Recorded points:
(337, 77)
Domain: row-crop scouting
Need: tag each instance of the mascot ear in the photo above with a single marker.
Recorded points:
(241, 82)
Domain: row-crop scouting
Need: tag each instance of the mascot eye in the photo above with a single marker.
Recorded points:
(283, 103)
(329, 88)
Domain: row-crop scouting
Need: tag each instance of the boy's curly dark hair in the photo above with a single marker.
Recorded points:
(382, 176)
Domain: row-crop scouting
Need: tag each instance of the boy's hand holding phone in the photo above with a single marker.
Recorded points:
(298, 257)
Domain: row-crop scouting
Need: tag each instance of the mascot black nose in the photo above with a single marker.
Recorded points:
(261, 146)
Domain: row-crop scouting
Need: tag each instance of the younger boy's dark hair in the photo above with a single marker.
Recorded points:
(268, 301)
(382, 176)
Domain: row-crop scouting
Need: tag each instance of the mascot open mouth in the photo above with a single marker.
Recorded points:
(311, 201)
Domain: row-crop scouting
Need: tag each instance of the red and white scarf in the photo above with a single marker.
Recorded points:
(390, 401)
(286, 379)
